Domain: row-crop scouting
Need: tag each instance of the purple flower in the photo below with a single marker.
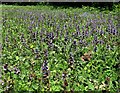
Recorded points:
(36, 51)
(37, 56)
(45, 62)
(78, 28)
(45, 68)
(101, 32)
(80, 41)
(34, 35)
(17, 71)
(74, 42)
(95, 38)
(50, 35)
(108, 47)
(7, 39)
(71, 59)
(66, 38)
(32, 22)
(101, 41)
(114, 31)
(5, 67)
(95, 49)
(50, 44)
(67, 33)
(65, 26)
(77, 33)
(46, 53)
(21, 37)
(86, 33)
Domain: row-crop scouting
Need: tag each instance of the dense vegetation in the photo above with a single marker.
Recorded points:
(99, 5)
(47, 49)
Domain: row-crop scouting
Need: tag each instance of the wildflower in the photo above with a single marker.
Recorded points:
(5, 67)
(86, 33)
(30, 27)
(36, 51)
(45, 68)
(45, 63)
(95, 38)
(108, 47)
(101, 32)
(74, 42)
(80, 41)
(114, 31)
(66, 38)
(7, 39)
(34, 35)
(37, 56)
(77, 33)
(95, 49)
(17, 71)
(22, 37)
(45, 73)
(46, 53)
(71, 60)
(51, 35)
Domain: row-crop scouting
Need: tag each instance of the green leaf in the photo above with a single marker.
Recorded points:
(56, 88)
(31, 46)
(17, 58)
(90, 85)
(35, 86)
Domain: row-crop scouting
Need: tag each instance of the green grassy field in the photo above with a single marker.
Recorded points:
(60, 49)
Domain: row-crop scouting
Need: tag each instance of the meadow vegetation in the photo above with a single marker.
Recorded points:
(60, 49)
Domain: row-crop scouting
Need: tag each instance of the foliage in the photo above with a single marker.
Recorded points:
(47, 49)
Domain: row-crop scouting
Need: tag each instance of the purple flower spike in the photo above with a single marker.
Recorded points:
(101, 42)
(66, 38)
(80, 41)
(45, 68)
(95, 49)
(114, 31)
(5, 67)
(36, 51)
(74, 42)
(108, 47)
(101, 32)
(95, 38)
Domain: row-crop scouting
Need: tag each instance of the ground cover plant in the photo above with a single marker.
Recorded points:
(47, 49)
